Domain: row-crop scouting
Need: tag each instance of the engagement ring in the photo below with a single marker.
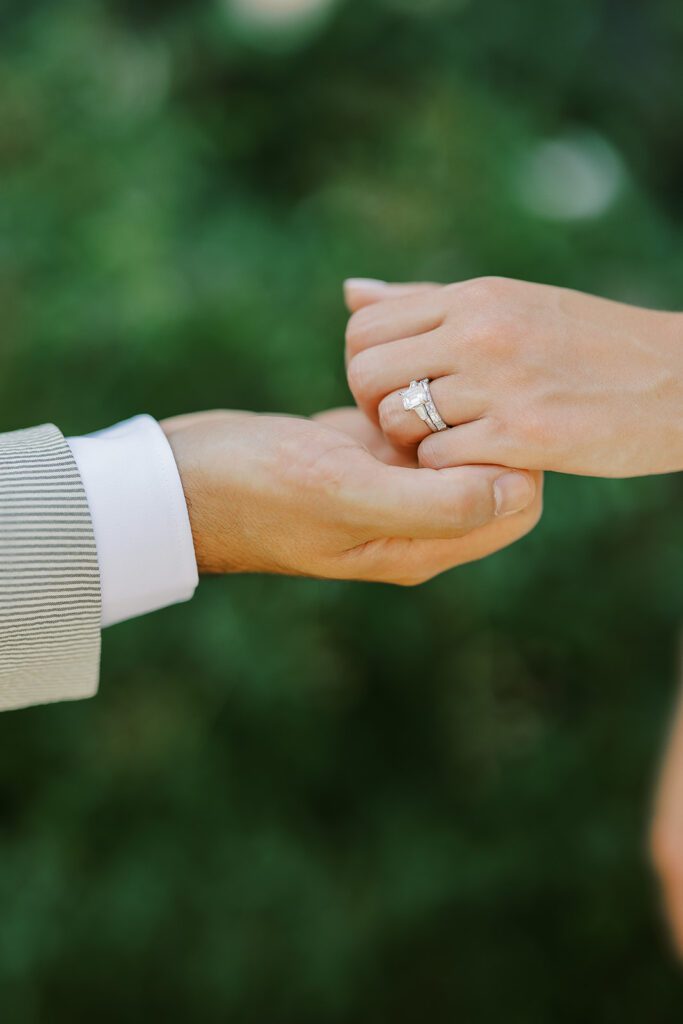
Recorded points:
(418, 398)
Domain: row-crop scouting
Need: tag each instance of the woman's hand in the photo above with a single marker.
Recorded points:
(280, 494)
(525, 374)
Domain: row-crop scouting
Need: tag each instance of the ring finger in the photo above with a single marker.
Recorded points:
(375, 372)
(455, 403)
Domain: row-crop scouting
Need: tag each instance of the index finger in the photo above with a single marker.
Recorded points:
(363, 291)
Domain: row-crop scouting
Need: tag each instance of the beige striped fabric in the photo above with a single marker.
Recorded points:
(50, 606)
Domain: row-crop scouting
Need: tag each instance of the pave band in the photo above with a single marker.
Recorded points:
(418, 398)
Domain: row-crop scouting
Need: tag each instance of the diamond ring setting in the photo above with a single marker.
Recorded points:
(418, 398)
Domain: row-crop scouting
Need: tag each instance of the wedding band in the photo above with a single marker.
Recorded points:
(418, 398)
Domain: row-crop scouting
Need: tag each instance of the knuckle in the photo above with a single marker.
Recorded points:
(361, 372)
(358, 329)
(498, 434)
(494, 287)
(429, 454)
(495, 321)
(473, 506)
(465, 509)
(532, 427)
(482, 289)
(498, 334)
(390, 419)
(494, 284)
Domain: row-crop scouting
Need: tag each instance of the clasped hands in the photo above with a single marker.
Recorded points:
(528, 378)
(524, 375)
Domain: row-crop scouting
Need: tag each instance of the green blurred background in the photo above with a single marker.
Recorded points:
(297, 802)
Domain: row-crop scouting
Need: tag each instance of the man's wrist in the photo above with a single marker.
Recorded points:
(213, 536)
(188, 473)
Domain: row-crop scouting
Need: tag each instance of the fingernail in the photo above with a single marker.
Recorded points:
(364, 282)
(513, 492)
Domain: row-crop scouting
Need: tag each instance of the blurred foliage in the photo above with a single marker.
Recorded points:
(297, 801)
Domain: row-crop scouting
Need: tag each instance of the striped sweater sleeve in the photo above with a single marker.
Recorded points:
(50, 606)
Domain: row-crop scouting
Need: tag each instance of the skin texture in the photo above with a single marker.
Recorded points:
(524, 374)
(667, 831)
(541, 377)
(331, 498)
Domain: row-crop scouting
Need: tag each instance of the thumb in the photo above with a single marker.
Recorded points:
(363, 291)
(439, 504)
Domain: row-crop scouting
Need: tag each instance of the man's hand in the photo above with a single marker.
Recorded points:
(294, 496)
(524, 374)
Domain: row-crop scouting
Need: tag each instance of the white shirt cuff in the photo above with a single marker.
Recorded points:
(139, 516)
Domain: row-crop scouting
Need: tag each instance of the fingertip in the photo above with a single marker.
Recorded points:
(363, 291)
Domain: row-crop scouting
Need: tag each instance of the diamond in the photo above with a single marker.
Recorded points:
(415, 396)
